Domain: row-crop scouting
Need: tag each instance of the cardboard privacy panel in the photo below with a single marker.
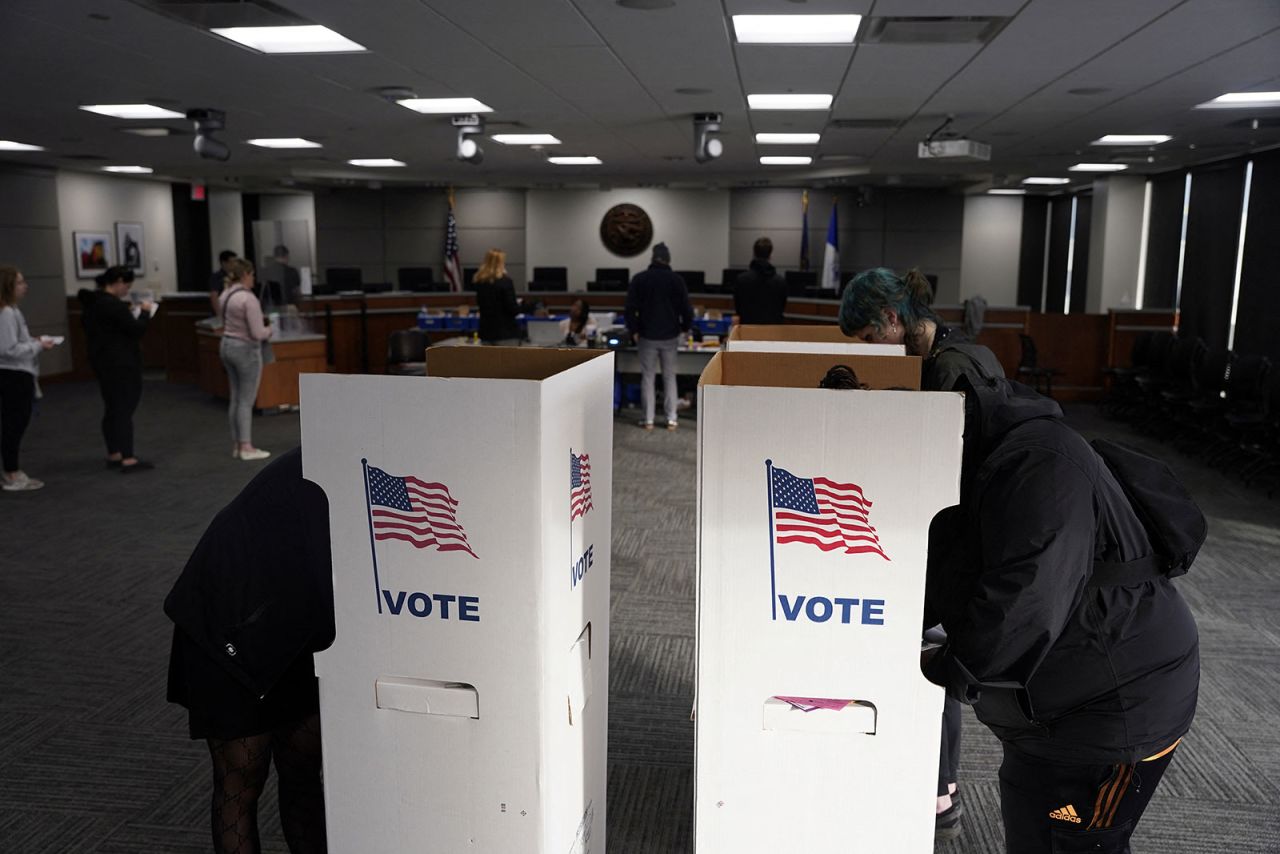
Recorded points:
(464, 700)
(814, 724)
(796, 338)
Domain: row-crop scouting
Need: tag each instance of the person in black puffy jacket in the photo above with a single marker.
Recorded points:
(253, 603)
(1090, 685)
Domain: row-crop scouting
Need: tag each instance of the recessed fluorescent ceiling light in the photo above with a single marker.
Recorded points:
(789, 102)
(1132, 139)
(787, 138)
(575, 161)
(287, 142)
(129, 170)
(1006, 192)
(1046, 181)
(1242, 99)
(1097, 167)
(10, 145)
(152, 132)
(311, 38)
(796, 29)
(785, 161)
(525, 139)
(445, 105)
(375, 161)
(132, 111)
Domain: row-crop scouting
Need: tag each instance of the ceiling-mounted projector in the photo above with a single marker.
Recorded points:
(953, 149)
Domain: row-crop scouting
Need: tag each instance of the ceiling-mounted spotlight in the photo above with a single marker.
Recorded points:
(207, 121)
(706, 146)
(469, 127)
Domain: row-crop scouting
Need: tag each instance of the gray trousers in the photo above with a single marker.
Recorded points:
(243, 361)
(651, 352)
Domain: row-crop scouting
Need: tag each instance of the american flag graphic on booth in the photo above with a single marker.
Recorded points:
(579, 485)
(820, 512)
(416, 511)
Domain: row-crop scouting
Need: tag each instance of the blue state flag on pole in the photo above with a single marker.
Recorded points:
(831, 258)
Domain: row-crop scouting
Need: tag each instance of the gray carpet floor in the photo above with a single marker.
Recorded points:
(92, 758)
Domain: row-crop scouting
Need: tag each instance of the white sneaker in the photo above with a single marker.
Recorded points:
(21, 483)
(255, 454)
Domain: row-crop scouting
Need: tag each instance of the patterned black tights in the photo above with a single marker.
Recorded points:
(240, 769)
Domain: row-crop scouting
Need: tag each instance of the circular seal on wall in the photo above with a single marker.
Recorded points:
(626, 230)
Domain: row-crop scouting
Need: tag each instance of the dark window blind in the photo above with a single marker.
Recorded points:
(1035, 210)
(1209, 263)
(1259, 308)
(1080, 263)
(1059, 244)
(1164, 234)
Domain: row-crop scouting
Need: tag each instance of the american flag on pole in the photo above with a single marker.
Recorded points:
(452, 267)
(416, 511)
(579, 485)
(820, 512)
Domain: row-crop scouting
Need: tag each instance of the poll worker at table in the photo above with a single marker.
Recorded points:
(496, 301)
(218, 278)
(114, 330)
(1064, 628)
(658, 312)
(577, 328)
(253, 603)
(760, 294)
(880, 307)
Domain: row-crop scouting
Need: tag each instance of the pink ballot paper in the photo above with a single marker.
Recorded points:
(809, 704)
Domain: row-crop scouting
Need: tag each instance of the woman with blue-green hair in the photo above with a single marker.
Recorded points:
(880, 307)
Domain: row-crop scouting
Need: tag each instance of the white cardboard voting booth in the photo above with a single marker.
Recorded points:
(814, 725)
(797, 338)
(465, 699)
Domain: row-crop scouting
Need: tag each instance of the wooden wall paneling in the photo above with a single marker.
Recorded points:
(1076, 345)
(1125, 325)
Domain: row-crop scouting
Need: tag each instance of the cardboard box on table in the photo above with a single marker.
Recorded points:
(465, 699)
(793, 619)
(796, 338)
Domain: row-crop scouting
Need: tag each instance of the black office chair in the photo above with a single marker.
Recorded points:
(407, 352)
(550, 279)
(1030, 370)
(620, 275)
(729, 277)
(798, 280)
(419, 279)
(694, 280)
(344, 278)
(606, 286)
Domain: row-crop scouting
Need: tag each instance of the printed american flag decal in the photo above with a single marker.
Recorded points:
(579, 485)
(416, 511)
(820, 512)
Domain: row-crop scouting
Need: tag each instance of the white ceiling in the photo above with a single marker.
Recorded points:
(604, 79)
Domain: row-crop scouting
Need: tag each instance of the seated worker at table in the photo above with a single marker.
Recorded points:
(496, 301)
(658, 311)
(577, 328)
(760, 294)
(253, 603)
(281, 283)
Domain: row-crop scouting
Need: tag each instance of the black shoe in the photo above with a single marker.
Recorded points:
(140, 465)
(114, 464)
(947, 823)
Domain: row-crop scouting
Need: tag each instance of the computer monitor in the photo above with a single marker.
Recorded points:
(419, 279)
(693, 279)
(613, 274)
(798, 280)
(344, 278)
(729, 276)
(550, 279)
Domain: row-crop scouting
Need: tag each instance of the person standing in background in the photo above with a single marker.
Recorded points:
(241, 349)
(19, 355)
(114, 332)
(496, 301)
(281, 282)
(760, 294)
(658, 310)
(218, 278)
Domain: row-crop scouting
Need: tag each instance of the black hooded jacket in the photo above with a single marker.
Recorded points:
(257, 592)
(114, 334)
(1057, 669)
(760, 294)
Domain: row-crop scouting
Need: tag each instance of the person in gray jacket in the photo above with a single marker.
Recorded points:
(19, 355)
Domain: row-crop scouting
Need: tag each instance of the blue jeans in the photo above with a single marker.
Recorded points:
(243, 361)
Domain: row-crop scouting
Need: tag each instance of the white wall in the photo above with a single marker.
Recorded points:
(1114, 242)
(88, 202)
(31, 240)
(226, 224)
(563, 230)
(990, 248)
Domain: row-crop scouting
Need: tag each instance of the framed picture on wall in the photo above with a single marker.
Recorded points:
(129, 246)
(92, 251)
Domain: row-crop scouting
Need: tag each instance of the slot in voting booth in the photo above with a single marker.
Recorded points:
(465, 698)
(796, 338)
(814, 724)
